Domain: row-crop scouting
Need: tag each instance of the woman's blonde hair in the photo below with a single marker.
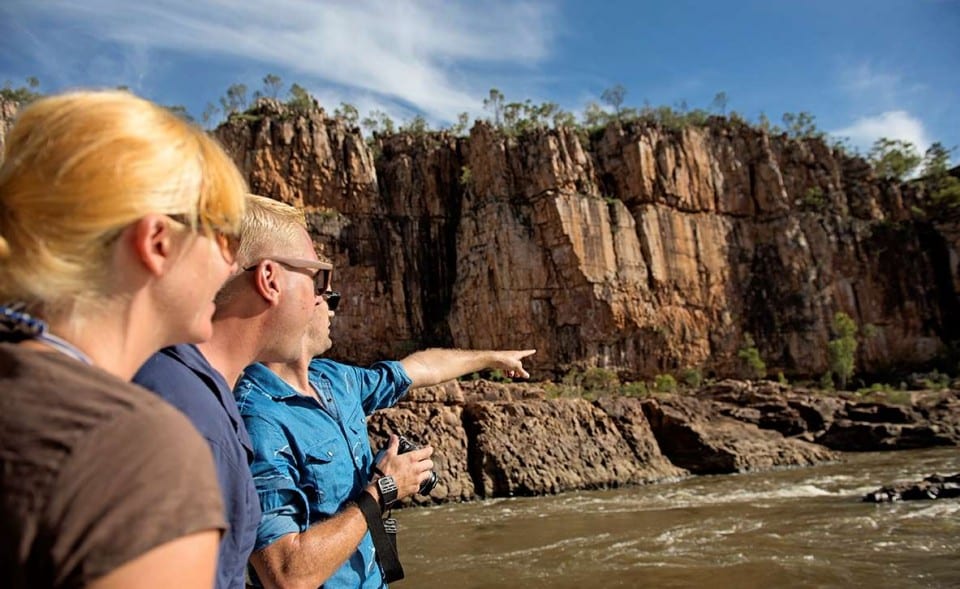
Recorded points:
(79, 168)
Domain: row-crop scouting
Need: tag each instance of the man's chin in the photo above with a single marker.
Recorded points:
(322, 347)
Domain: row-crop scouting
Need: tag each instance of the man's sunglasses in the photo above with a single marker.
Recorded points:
(321, 278)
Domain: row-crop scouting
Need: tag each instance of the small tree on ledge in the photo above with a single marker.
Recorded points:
(755, 366)
(843, 348)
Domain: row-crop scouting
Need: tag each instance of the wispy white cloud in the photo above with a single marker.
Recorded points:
(365, 103)
(868, 84)
(415, 52)
(865, 81)
(895, 124)
(872, 89)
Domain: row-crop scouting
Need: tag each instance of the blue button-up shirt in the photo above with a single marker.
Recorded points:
(310, 460)
(184, 378)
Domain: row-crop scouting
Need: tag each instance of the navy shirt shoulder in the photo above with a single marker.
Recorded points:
(183, 377)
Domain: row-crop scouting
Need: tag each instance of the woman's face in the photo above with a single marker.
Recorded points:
(204, 264)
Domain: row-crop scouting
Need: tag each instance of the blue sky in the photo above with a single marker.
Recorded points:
(865, 69)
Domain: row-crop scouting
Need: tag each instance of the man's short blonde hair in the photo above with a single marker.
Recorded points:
(269, 228)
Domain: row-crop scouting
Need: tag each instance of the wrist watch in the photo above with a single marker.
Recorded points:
(388, 490)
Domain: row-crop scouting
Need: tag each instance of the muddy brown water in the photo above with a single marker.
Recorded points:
(788, 528)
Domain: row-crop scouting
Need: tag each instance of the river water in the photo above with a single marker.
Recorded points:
(788, 528)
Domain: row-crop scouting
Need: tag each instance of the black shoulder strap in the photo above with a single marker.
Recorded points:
(386, 549)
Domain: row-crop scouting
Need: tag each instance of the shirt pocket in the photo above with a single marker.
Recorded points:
(327, 478)
(359, 441)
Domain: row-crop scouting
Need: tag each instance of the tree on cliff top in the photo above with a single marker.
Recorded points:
(235, 100)
(893, 158)
(614, 97)
(943, 188)
(418, 125)
(801, 125)
(22, 94)
(461, 126)
(300, 100)
(494, 103)
(272, 85)
(348, 113)
(378, 122)
(594, 117)
(719, 103)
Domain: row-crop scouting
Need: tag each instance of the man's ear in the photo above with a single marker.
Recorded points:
(152, 240)
(266, 280)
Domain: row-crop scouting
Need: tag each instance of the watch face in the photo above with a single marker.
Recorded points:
(388, 490)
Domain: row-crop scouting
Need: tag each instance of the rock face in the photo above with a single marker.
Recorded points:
(643, 250)
(8, 110)
(693, 436)
(496, 440)
(925, 419)
(526, 448)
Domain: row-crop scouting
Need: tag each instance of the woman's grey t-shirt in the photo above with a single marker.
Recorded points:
(94, 472)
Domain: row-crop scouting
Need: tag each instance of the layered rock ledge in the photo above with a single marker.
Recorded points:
(499, 440)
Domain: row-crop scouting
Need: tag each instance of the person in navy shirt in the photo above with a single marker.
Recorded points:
(261, 314)
(312, 456)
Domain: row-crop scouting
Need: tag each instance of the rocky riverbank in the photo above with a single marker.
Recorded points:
(500, 440)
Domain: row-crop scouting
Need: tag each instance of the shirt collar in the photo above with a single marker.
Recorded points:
(190, 356)
(268, 382)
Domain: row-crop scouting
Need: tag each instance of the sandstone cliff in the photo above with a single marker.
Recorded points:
(8, 110)
(643, 250)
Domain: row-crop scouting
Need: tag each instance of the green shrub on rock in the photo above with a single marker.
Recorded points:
(600, 380)
(664, 383)
(754, 365)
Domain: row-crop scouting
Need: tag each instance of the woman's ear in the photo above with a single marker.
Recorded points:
(152, 240)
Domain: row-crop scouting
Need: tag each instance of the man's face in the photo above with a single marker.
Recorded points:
(318, 338)
(298, 302)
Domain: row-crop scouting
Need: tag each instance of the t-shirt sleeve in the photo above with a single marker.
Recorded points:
(137, 482)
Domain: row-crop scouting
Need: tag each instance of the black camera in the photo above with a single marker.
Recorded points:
(427, 485)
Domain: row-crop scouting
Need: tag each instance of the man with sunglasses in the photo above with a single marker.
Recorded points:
(262, 314)
(313, 465)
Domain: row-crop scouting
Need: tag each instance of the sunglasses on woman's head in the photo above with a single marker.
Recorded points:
(228, 243)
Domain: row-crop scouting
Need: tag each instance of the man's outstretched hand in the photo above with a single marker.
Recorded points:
(509, 361)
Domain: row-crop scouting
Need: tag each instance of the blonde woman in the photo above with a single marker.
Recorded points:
(116, 225)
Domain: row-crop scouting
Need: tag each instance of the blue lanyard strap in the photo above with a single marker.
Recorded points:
(16, 325)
